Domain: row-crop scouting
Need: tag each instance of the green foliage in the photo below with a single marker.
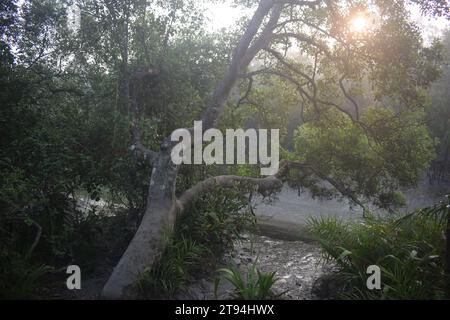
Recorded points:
(436, 7)
(438, 112)
(206, 231)
(63, 133)
(245, 170)
(371, 161)
(409, 250)
(19, 279)
(256, 286)
(182, 259)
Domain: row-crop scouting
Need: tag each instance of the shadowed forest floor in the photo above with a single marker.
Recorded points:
(297, 265)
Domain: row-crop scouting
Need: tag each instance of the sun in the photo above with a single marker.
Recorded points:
(359, 24)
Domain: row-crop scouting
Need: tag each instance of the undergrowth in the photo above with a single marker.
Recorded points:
(205, 232)
(409, 250)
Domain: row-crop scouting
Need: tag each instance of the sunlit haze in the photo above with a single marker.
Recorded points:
(225, 15)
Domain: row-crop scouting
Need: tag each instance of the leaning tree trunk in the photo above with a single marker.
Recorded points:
(162, 206)
(159, 217)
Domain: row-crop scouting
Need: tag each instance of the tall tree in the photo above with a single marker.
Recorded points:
(338, 58)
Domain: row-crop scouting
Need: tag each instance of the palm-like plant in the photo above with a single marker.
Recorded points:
(413, 256)
(256, 286)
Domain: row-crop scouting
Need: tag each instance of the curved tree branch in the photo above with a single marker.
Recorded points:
(265, 186)
(346, 192)
(350, 98)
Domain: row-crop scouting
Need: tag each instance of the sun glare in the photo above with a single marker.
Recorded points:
(359, 24)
